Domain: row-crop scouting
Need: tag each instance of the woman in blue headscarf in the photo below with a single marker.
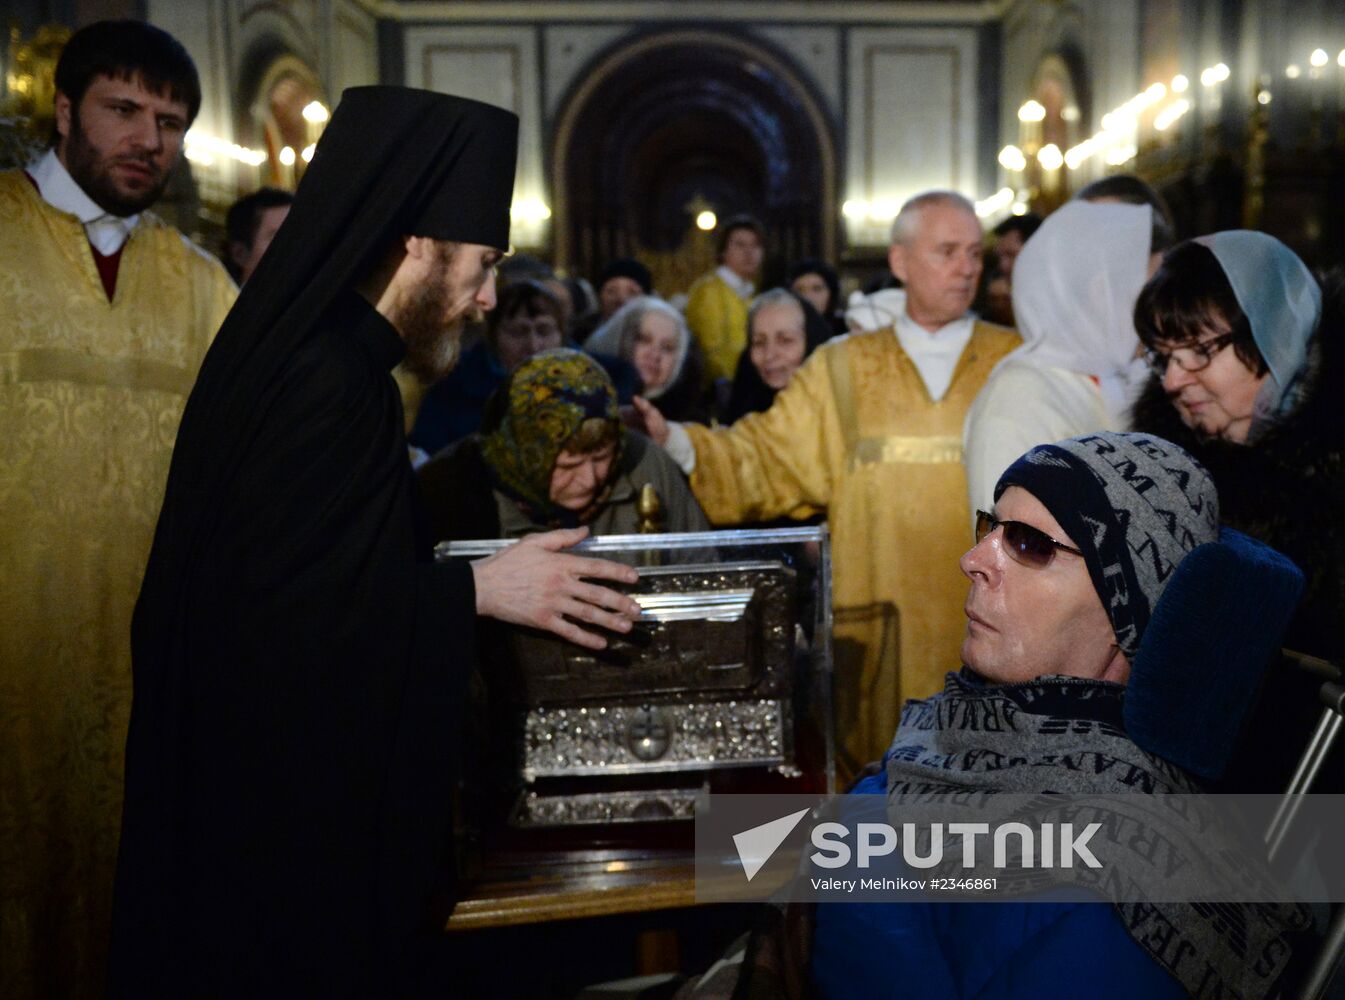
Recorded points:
(1248, 375)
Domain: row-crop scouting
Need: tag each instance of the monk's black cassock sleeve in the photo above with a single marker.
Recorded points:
(289, 770)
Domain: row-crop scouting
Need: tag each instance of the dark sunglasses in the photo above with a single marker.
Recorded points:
(1026, 544)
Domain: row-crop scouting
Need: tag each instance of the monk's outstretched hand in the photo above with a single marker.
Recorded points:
(533, 582)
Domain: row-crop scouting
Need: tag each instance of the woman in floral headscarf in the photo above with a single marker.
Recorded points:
(1249, 377)
(551, 452)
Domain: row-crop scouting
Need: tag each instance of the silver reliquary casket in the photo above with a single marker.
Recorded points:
(724, 682)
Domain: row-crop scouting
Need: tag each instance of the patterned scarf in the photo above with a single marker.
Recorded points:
(530, 418)
(1054, 749)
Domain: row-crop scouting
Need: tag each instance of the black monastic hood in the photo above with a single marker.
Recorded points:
(392, 162)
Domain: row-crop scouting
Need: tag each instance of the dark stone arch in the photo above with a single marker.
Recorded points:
(661, 118)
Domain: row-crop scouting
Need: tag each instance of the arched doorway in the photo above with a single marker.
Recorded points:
(678, 122)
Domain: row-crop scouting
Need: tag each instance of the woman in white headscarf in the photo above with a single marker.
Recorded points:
(654, 339)
(1074, 290)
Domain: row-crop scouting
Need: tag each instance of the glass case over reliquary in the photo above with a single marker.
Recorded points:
(724, 684)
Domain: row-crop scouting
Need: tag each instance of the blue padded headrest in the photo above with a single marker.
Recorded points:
(1212, 636)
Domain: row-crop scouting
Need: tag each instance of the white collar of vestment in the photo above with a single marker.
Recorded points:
(740, 286)
(935, 354)
(950, 335)
(107, 232)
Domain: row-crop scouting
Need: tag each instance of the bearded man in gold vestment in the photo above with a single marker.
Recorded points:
(869, 430)
(105, 314)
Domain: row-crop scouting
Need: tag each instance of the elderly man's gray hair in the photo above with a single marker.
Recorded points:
(906, 223)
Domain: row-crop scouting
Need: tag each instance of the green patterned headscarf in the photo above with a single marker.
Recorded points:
(531, 416)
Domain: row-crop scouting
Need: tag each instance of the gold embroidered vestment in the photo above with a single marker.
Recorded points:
(90, 396)
(856, 433)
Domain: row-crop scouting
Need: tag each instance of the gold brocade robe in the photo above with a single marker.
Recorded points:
(90, 396)
(856, 433)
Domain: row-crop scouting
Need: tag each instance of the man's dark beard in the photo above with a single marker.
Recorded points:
(93, 173)
(431, 345)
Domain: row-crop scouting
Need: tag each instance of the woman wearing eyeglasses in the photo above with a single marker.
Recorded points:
(1248, 375)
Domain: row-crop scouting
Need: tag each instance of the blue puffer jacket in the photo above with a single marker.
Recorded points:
(986, 951)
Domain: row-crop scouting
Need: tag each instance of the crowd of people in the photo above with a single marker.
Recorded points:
(217, 508)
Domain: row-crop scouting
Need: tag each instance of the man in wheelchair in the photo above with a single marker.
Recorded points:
(1077, 682)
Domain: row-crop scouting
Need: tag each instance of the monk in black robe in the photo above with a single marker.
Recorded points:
(299, 660)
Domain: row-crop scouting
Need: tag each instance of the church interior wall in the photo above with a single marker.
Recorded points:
(1102, 34)
(913, 94)
(897, 84)
(500, 65)
(911, 123)
(354, 47)
(1242, 125)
